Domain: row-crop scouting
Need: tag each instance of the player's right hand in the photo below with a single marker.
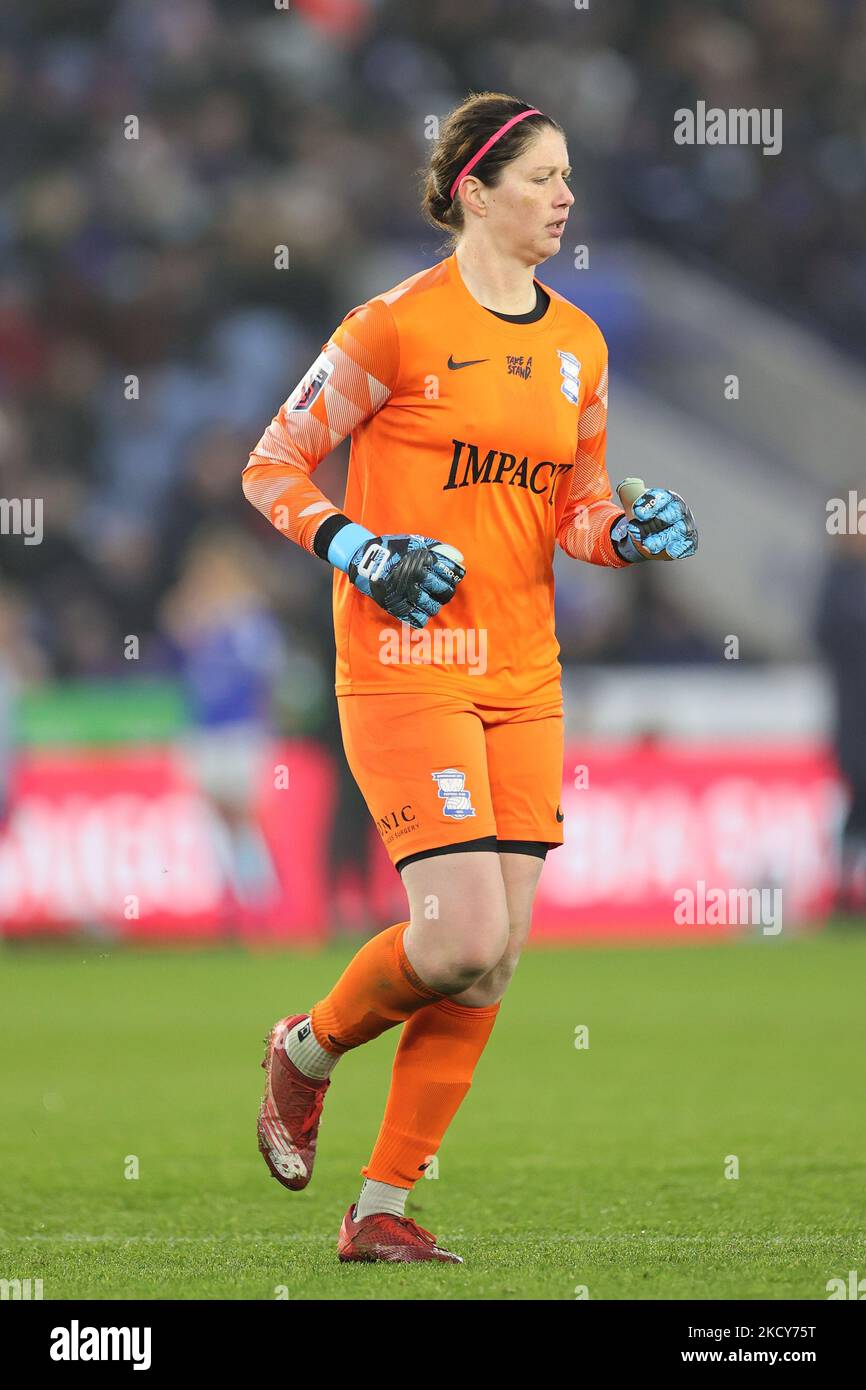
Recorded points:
(411, 577)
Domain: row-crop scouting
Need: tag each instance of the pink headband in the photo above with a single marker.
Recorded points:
(521, 115)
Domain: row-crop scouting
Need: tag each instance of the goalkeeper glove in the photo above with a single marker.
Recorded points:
(662, 528)
(410, 576)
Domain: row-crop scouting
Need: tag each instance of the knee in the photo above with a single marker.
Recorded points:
(472, 946)
(490, 987)
(480, 946)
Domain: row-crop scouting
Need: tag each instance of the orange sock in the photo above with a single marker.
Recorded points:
(377, 990)
(438, 1052)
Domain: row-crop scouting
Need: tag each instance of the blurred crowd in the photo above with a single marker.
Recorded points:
(146, 337)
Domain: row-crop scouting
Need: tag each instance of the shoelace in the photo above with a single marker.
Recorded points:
(315, 1110)
(407, 1221)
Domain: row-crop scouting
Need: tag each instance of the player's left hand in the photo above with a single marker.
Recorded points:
(663, 527)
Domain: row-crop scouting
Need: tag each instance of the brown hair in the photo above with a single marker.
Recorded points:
(463, 132)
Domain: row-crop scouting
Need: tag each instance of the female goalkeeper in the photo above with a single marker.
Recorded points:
(476, 401)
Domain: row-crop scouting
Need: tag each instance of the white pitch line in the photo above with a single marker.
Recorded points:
(455, 1233)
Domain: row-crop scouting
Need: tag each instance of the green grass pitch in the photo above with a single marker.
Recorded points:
(601, 1167)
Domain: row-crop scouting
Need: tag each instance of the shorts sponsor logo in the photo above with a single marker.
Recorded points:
(397, 823)
(454, 792)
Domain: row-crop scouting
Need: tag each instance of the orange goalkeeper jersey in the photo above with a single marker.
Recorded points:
(486, 434)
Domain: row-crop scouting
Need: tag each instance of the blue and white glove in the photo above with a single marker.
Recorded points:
(662, 528)
(410, 576)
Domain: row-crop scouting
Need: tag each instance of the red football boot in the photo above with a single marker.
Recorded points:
(386, 1237)
(289, 1116)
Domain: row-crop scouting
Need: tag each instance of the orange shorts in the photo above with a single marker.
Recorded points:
(441, 771)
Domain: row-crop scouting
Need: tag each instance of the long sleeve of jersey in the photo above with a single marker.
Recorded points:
(351, 379)
(590, 511)
(484, 433)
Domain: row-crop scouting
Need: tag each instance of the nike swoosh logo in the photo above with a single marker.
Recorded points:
(455, 366)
